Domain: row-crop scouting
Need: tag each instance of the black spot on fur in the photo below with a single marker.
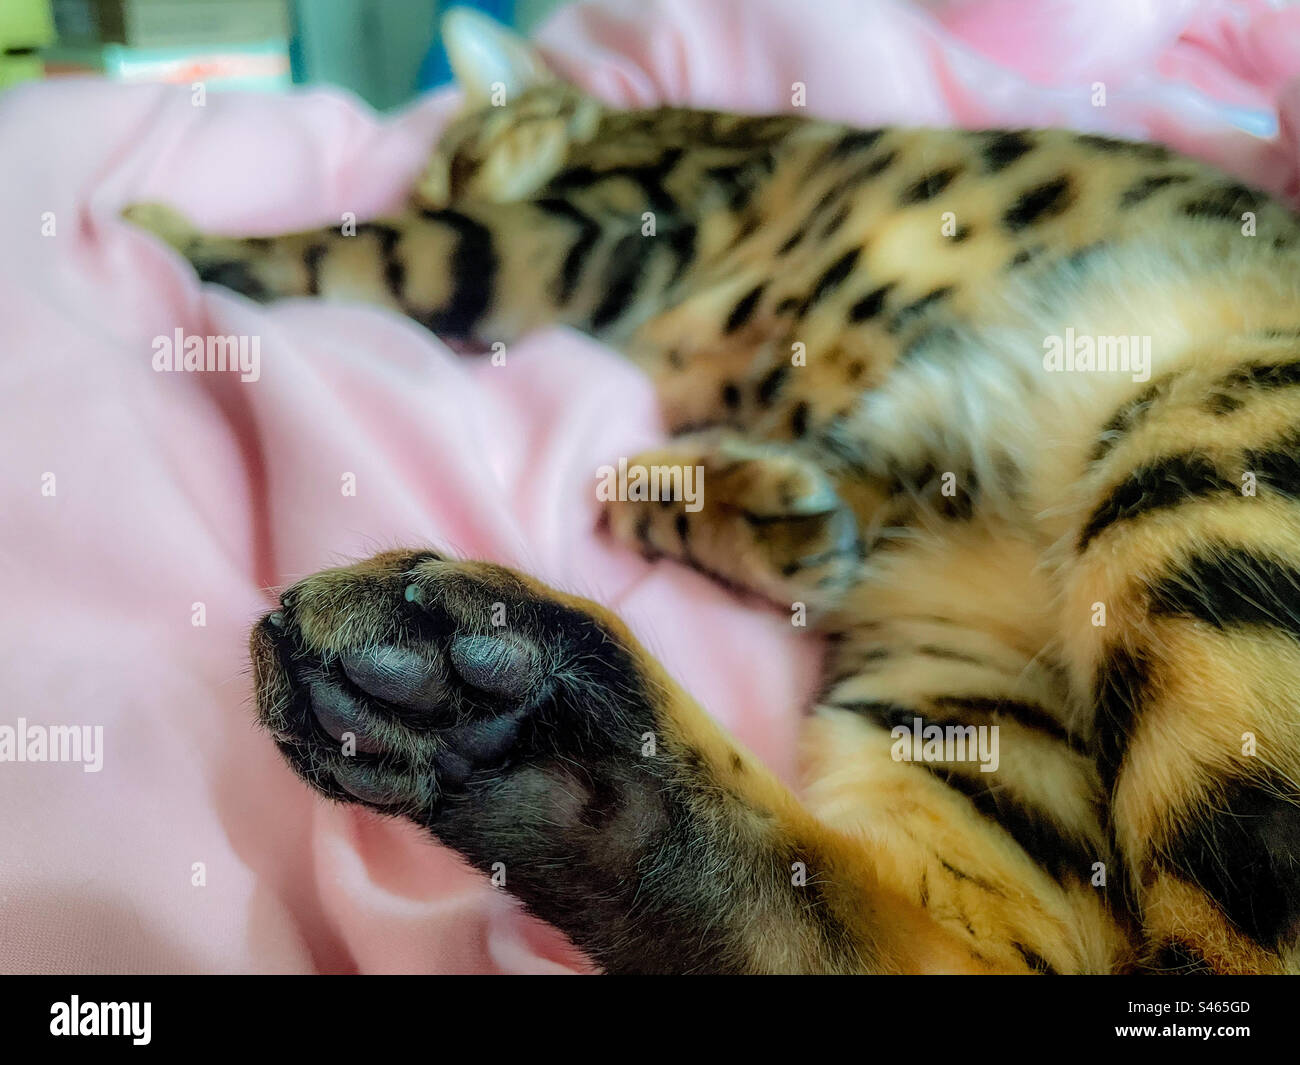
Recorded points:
(885, 714)
(473, 268)
(771, 384)
(1226, 203)
(1004, 148)
(680, 239)
(234, 275)
(1263, 376)
(622, 281)
(1243, 848)
(1039, 204)
(730, 396)
(799, 419)
(890, 715)
(1119, 690)
(835, 221)
(394, 268)
(643, 523)
(749, 224)
(835, 275)
(385, 235)
(1221, 403)
(575, 260)
(1153, 153)
(1035, 961)
(1035, 830)
(744, 309)
(1158, 485)
(1277, 467)
(311, 260)
(650, 177)
(1144, 188)
(1126, 418)
(949, 654)
(911, 481)
(858, 140)
(738, 183)
(971, 878)
(928, 186)
(960, 506)
(792, 241)
(1231, 588)
(871, 304)
(1028, 715)
(827, 198)
(877, 166)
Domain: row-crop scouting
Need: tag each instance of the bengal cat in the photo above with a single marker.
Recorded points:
(869, 340)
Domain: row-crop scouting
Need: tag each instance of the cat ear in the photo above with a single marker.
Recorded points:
(486, 57)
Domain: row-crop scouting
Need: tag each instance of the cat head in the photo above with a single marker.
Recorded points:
(519, 123)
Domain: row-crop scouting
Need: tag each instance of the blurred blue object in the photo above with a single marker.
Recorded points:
(387, 51)
(435, 71)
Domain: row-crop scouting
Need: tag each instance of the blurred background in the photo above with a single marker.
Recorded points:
(386, 51)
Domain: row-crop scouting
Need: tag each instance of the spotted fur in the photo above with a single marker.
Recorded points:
(847, 330)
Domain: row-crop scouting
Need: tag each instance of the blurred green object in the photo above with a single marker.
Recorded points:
(376, 48)
(25, 26)
(373, 47)
(170, 23)
(217, 43)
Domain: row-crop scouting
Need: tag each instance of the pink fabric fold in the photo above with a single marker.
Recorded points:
(183, 497)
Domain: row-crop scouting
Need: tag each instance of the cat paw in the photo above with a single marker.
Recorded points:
(758, 517)
(405, 679)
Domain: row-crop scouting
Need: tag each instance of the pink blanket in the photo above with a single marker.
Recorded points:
(146, 515)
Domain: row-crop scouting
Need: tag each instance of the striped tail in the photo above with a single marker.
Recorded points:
(444, 268)
(481, 272)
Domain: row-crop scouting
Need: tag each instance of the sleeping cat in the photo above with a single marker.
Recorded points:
(1013, 417)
